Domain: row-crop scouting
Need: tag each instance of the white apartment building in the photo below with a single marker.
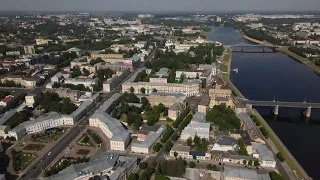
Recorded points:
(141, 44)
(264, 154)
(112, 128)
(57, 77)
(115, 80)
(87, 82)
(186, 88)
(198, 129)
(42, 41)
(51, 120)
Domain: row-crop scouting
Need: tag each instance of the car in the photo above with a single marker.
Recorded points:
(49, 153)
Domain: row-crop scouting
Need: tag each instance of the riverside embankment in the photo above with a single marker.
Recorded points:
(273, 141)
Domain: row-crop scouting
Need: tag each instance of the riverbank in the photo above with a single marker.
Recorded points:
(274, 140)
(293, 55)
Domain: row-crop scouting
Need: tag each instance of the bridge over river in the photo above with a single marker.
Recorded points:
(277, 104)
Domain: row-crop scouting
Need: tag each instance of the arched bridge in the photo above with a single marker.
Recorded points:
(277, 104)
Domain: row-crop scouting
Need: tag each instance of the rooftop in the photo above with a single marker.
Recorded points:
(226, 141)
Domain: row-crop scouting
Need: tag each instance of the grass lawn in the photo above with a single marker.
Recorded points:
(84, 140)
(34, 147)
(83, 152)
(165, 123)
(46, 138)
(227, 56)
(26, 159)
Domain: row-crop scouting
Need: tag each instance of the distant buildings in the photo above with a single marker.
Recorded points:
(29, 49)
(141, 44)
(23, 81)
(43, 41)
(185, 152)
(87, 82)
(108, 164)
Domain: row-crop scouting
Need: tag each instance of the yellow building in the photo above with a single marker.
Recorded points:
(203, 105)
(91, 69)
(26, 82)
(221, 100)
(220, 92)
(105, 56)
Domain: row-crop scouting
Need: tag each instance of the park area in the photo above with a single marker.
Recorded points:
(34, 147)
(21, 160)
(85, 140)
(47, 137)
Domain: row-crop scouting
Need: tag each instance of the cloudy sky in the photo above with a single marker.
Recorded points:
(161, 5)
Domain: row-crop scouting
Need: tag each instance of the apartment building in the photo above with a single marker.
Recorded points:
(79, 62)
(87, 82)
(57, 78)
(220, 91)
(51, 120)
(67, 93)
(186, 88)
(23, 81)
(29, 49)
(112, 128)
(196, 129)
(108, 164)
(167, 99)
(43, 41)
(190, 74)
(146, 138)
(13, 53)
(264, 155)
(175, 110)
(115, 80)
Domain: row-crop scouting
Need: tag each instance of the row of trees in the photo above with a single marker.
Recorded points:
(3, 94)
(202, 54)
(181, 117)
(303, 51)
(223, 117)
(79, 87)
(173, 167)
(242, 147)
(51, 102)
(198, 144)
(18, 118)
(67, 161)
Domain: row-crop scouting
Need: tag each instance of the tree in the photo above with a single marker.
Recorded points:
(165, 112)
(250, 162)
(244, 162)
(280, 156)
(209, 167)
(192, 164)
(144, 101)
(143, 165)
(175, 154)
(172, 167)
(223, 117)
(131, 89)
(157, 147)
(85, 72)
(275, 176)
(154, 90)
(133, 177)
(196, 140)
(182, 77)
(189, 141)
(256, 163)
(242, 147)
(56, 85)
(143, 90)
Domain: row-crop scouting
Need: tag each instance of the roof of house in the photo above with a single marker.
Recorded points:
(151, 138)
(106, 160)
(230, 172)
(176, 107)
(7, 98)
(199, 117)
(180, 148)
(226, 141)
(246, 120)
(264, 152)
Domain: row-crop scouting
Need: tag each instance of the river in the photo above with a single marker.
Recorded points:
(268, 76)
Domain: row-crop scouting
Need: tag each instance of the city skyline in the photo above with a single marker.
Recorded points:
(159, 6)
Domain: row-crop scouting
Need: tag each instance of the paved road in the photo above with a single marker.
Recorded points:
(43, 163)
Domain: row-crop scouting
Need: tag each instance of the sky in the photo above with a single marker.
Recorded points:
(159, 5)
